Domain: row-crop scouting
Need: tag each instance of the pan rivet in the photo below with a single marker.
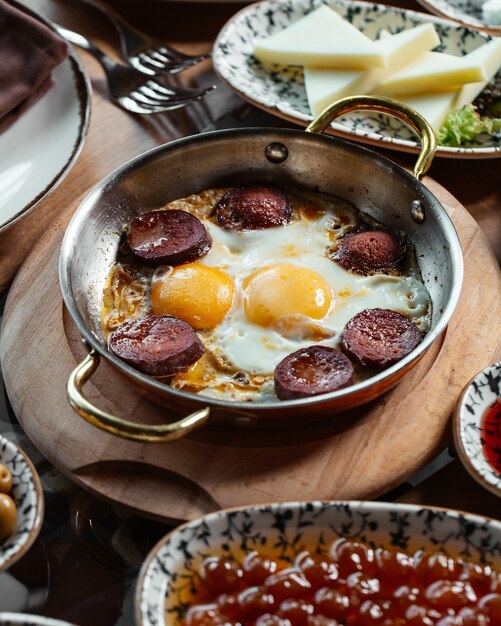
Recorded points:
(276, 152)
(418, 212)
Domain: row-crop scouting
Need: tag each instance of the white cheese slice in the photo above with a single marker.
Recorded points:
(490, 56)
(324, 86)
(434, 71)
(435, 107)
(321, 38)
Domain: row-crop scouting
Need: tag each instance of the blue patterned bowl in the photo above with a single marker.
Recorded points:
(470, 436)
(283, 530)
(28, 497)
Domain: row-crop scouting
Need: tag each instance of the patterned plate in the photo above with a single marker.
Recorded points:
(281, 91)
(466, 12)
(471, 436)
(28, 496)
(283, 530)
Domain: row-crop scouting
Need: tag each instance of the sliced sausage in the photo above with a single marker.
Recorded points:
(371, 251)
(168, 237)
(157, 345)
(253, 208)
(312, 371)
(379, 337)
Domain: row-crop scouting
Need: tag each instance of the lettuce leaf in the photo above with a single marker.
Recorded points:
(463, 125)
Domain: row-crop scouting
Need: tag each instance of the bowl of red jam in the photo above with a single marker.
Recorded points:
(477, 428)
(325, 564)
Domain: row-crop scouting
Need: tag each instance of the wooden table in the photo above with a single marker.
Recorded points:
(116, 136)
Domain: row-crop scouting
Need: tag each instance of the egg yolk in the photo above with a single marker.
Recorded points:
(199, 374)
(277, 290)
(195, 293)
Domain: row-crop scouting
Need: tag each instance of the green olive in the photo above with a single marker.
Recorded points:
(7, 516)
(5, 479)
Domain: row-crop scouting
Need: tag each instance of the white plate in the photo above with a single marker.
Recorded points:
(38, 150)
(464, 12)
(282, 92)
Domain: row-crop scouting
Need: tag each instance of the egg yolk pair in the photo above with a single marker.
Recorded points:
(202, 295)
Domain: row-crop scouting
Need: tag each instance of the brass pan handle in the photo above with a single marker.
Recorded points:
(381, 104)
(116, 425)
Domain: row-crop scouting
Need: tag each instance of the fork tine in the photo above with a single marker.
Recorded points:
(153, 63)
(170, 107)
(150, 95)
(151, 59)
(184, 61)
(144, 109)
(170, 53)
(143, 98)
(163, 90)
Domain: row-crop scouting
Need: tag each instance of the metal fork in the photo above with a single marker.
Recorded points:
(147, 54)
(131, 89)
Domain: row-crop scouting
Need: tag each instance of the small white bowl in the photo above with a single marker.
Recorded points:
(480, 393)
(28, 497)
(20, 619)
(283, 530)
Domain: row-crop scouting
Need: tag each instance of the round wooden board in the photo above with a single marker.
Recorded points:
(356, 455)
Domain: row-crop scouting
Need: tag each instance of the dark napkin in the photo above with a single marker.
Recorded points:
(29, 51)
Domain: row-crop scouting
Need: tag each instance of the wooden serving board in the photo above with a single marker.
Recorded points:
(355, 455)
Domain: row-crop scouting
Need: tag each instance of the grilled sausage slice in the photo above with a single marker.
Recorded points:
(253, 208)
(169, 237)
(157, 345)
(370, 251)
(379, 337)
(312, 371)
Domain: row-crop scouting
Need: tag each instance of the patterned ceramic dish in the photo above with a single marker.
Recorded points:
(283, 530)
(474, 436)
(28, 496)
(281, 91)
(465, 12)
(20, 619)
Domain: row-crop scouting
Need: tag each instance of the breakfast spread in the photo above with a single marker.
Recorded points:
(351, 583)
(7, 506)
(436, 84)
(256, 293)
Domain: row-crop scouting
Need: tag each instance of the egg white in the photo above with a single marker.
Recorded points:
(242, 345)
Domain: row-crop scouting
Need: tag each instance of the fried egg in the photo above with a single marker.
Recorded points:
(259, 295)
